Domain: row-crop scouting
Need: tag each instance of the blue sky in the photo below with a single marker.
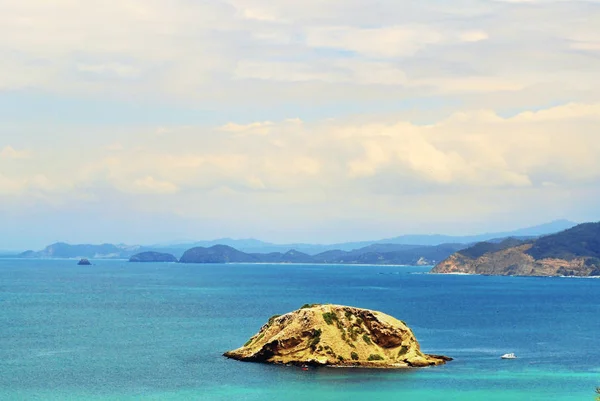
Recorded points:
(144, 121)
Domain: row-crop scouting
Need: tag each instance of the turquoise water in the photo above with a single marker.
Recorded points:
(119, 331)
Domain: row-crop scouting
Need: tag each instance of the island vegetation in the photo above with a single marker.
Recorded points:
(573, 252)
(153, 257)
(336, 335)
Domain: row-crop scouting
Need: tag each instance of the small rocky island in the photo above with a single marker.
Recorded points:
(336, 335)
(84, 262)
(153, 257)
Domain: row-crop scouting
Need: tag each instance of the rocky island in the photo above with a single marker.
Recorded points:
(153, 257)
(573, 252)
(336, 335)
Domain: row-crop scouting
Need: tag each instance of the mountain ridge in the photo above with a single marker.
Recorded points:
(572, 252)
(413, 256)
(250, 245)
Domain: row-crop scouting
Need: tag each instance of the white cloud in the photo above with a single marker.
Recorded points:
(572, 111)
(471, 149)
(9, 186)
(152, 185)
(256, 128)
(117, 69)
(591, 46)
(207, 52)
(8, 152)
(473, 36)
(280, 71)
(358, 75)
(41, 182)
(340, 71)
(256, 14)
(473, 84)
(376, 42)
(115, 147)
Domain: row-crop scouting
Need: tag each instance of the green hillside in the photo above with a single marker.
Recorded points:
(580, 241)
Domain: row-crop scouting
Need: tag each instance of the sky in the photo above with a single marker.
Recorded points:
(149, 121)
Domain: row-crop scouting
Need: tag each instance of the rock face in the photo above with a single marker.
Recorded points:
(573, 252)
(153, 257)
(336, 335)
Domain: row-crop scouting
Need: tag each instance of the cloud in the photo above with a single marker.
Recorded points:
(35, 185)
(9, 186)
(340, 71)
(388, 42)
(475, 150)
(591, 46)
(221, 52)
(114, 147)
(473, 36)
(256, 14)
(375, 42)
(305, 112)
(152, 185)
(258, 127)
(110, 69)
(468, 166)
(571, 111)
(8, 152)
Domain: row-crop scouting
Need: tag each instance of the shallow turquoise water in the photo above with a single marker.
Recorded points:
(119, 331)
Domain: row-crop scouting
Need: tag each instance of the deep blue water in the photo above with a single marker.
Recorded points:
(120, 331)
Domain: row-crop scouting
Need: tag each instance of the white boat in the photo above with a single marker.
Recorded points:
(509, 356)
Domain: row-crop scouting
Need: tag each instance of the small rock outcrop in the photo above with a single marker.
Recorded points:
(153, 257)
(84, 262)
(336, 335)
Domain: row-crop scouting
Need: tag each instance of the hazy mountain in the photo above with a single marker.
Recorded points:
(257, 246)
(535, 231)
(335, 251)
(64, 250)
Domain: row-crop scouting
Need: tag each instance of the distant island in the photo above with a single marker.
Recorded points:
(380, 251)
(573, 252)
(376, 254)
(454, 254)
(153, 257)
(379, 254)
(336, 335)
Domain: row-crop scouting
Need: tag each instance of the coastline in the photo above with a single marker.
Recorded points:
(304, 264)
(508, 275)
(226, 263)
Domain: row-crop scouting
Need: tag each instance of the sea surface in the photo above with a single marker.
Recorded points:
(124, 331)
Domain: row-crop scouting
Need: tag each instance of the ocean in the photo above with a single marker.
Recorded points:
(125, 331)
